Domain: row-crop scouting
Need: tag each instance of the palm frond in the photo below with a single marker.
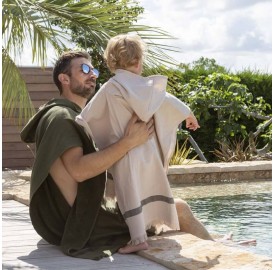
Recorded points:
(37, 22)
(14, 91)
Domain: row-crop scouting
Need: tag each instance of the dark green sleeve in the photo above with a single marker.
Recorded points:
(56, 133)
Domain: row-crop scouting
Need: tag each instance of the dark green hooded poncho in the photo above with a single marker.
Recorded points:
(87, 229)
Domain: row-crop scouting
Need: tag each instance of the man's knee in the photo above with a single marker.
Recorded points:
(183, 208)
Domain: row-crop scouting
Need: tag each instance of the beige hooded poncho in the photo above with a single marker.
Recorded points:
(141, 185)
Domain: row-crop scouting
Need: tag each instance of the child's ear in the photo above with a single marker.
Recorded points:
(138, 63)
(64, 78)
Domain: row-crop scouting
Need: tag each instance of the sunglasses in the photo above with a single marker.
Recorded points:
(86, 69)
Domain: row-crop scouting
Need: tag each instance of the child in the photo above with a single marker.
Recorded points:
(141, 185)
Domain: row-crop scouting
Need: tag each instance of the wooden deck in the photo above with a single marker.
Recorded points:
(23, 248)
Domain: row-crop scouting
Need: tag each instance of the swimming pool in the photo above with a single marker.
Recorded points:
(243, 208)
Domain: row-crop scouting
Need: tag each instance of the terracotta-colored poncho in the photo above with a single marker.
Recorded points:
(141, 185)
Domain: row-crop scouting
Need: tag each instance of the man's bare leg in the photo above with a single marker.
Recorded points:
(133, 248)
(189, 223)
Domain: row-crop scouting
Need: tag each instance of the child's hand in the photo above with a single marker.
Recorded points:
(192, 122)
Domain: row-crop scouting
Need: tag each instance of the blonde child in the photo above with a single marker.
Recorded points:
(141, 185)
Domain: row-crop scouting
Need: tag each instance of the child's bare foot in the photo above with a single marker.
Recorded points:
(130, 249)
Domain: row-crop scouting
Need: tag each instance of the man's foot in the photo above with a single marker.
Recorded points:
(251, 242)
(226, 238)
(130, 249)
(229, 238)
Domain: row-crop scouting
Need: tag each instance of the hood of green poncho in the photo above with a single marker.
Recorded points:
(28, 132)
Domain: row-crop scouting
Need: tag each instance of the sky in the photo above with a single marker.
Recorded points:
(236, 33)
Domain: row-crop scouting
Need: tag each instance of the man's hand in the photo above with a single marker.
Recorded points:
(82, 167)
(192, 122)
(138, 132)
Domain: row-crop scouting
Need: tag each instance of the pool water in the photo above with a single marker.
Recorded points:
(248, 216)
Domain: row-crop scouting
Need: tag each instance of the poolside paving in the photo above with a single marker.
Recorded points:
(24, 249)
(220, 172)
(180, 251)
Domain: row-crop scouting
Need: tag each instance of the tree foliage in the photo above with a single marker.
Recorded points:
(222, 105)
(41, 23)
(119, 13)
(258, 83)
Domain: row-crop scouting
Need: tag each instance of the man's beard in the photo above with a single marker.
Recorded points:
(83, 91)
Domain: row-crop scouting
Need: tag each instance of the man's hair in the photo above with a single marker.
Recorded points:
(63, 65)
(124, 51)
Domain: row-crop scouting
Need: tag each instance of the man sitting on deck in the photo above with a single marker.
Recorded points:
(67, 206)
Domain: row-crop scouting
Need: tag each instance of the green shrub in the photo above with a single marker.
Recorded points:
(182, 154)
(234, 150)
(259, 84)
(223, 106)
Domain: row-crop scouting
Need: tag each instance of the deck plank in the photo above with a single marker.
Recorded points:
(23, 248)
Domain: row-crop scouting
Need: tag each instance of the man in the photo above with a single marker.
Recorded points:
(68, 176)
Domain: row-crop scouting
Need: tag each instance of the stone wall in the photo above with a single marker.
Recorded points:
(220, 172)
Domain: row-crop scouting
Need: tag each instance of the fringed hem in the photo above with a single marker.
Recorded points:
(163, 226)
(139, 240)
(159, 227)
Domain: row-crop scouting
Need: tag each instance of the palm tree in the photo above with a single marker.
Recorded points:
(37, 21)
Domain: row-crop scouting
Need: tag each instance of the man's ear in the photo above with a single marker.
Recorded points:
(64, 78)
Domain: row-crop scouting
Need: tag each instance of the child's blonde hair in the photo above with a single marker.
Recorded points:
(124, 51)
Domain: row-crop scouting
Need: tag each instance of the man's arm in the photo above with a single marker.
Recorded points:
(82, 167)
